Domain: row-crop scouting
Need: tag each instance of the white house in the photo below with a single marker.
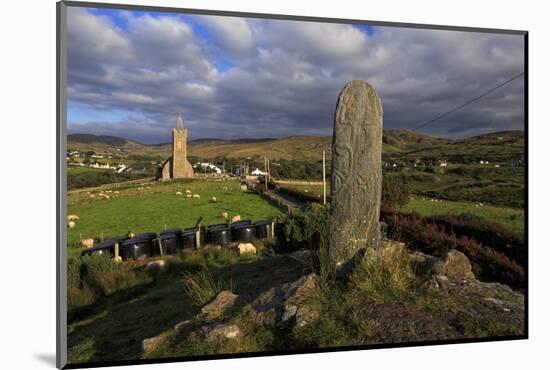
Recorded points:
(258, 172)
(209, 166)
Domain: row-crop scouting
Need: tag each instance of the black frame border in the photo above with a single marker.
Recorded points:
(61, 119)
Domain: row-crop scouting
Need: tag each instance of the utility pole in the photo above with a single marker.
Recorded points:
(265, 173)
(324, 181)
(268, 172)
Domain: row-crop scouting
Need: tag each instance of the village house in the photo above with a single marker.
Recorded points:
(258, 172)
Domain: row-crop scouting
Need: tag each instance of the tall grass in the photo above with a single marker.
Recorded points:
(201, 287)
(383, 275)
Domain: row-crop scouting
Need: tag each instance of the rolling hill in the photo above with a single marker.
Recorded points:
(396, 143)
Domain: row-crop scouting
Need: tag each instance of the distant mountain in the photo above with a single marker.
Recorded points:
(402, 143)
(99, 139)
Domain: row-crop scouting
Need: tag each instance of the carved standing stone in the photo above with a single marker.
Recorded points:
(356, 182)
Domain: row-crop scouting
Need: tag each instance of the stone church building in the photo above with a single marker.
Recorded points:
(177, 166)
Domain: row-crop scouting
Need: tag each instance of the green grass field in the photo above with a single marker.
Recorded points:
(73, 170)
(511, 218)
(153, 206)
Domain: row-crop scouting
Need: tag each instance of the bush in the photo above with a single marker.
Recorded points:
(304, 229)
(96, 264)
(73, 272)
(93, 277)
(394, 194)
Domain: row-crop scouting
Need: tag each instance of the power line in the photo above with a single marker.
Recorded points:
(470, 101)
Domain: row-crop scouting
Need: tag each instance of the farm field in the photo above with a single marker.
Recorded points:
(74, 170)
(152, 206)
(509, 217)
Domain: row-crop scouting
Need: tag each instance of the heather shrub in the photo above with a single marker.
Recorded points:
(488, 264)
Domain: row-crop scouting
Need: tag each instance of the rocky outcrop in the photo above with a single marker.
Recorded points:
(219, 330)
(223, 301)
(285, 302)
(453, 264)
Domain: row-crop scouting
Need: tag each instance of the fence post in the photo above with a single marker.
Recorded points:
(160, 248)
(198, 237)
(117, 257)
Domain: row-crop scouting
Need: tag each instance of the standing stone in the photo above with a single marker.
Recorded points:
(356, 172)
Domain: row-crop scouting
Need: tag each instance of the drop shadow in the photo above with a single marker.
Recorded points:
(46, 358)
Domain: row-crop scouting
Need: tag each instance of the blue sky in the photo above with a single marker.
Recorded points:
(130, 73)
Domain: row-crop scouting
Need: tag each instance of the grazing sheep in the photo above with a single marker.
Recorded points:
(196, 196)
(117, 192)
(187, 191)
(214, 199)
(92, 196)
(189, 196)
(86, 243)
(178, 193)
(246, 248)
(224, 215)
(73, 218)
(236, 218)
(72, 224)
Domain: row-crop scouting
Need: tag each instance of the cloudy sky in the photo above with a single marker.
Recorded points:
(130, 73)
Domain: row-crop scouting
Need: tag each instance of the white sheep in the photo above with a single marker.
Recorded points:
(73, 218)
(225, 215)
(236, 218)
(187, 191)
(86, 243)
(196, 196)
(214, 199)
(72, 224)
(178, 193)
(189, 196)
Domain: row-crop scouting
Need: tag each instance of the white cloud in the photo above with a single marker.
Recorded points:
(285, 76)
(232, 34)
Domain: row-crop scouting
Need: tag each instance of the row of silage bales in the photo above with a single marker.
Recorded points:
(140, 246)
(107, 247)
(148, 244)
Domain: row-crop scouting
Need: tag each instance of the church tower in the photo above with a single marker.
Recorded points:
(177, 166)
(181, 168)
